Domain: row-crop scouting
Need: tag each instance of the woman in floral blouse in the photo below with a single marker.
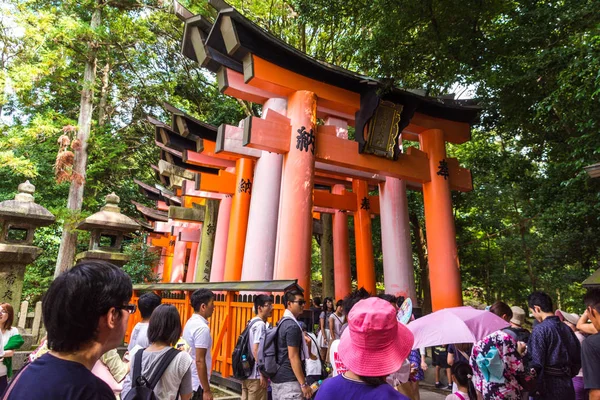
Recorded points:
(496, 362)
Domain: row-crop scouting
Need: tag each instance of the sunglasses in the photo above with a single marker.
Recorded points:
(301, 302)
(129, 307)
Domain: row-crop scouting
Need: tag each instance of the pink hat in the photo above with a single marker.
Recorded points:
(375, 343)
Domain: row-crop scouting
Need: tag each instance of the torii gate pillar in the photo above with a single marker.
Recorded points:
(444, 275)
(259, 256)
(398, 272)
(240, 208)
(217, 271)
(296, 201)
(342, 277)
(365, 263)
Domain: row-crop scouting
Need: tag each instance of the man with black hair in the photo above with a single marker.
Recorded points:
(139, 335)
(290, 380)
(255, 387)
(197, 336)
(555, 351)
(85, 312)
(590, 350)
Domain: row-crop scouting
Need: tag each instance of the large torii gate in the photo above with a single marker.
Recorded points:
(255, 66)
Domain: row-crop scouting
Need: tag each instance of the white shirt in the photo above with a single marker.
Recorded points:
(313, 367)
(139, 336)
(254, 336)
(337, 366)
(176, 377)
(453, 396)
(5, 336)
(197, 336)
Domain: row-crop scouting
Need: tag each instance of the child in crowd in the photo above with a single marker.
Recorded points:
(440, 361)
(461, 376)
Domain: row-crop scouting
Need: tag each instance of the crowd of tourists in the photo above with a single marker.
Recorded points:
(361, 349)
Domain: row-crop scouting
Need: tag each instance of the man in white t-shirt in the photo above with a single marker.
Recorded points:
(197, 336)
(255, 387)
(146, 304)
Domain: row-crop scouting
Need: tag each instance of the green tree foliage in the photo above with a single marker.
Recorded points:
(142, 261)
(43, 48)
(533, 218)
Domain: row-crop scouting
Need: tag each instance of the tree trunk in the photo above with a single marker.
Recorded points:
(421, 246)
(527, 251)
(327, 256)
(103, 95)
(68, 243)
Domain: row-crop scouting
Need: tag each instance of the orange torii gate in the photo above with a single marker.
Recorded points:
(189, 154)
(255, 66)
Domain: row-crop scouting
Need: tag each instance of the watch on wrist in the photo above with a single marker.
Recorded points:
(305, 384)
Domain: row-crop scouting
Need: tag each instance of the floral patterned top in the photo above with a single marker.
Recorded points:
(513, 366)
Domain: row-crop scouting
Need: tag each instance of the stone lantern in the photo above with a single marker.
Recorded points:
(107, 227)
(19, 219)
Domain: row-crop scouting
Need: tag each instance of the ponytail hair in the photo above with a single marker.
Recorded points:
(463, 374)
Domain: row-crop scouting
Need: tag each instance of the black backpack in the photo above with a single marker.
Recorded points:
(143, 388)
(242, 349)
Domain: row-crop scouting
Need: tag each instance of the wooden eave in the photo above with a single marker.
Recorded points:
(163, 179)
(194, 126)
(235, 35)
(167, 135)
(175, 157)
(150, 192)
(149, 213)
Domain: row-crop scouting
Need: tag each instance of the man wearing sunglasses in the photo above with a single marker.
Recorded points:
(85, 312)
(290, 380)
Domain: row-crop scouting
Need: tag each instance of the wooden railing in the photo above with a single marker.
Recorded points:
(232, 312)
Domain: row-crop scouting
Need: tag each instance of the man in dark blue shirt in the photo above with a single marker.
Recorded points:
(555, 351)
(590, 349)
(85, 312)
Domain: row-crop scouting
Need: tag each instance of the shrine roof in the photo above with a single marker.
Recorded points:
(149, 191)
(173, 147)
(593, 281)
(163, 179)
(258, 286)
(249, 38)
(195, 127)
(150, 213)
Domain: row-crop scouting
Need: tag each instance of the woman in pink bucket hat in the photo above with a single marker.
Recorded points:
(373, 346)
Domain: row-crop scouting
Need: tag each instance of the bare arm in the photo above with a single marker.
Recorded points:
(331, 330)
(450, 359)
(202, 372)
(322, 322)
(296, 362)
(294, 354)
(595, 394)
(586, 327)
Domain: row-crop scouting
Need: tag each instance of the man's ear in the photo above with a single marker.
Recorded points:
(112, 318)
